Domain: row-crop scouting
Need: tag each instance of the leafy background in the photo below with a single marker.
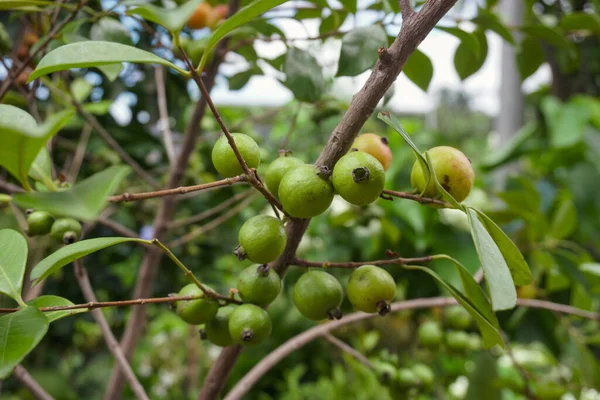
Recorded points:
(549, 208)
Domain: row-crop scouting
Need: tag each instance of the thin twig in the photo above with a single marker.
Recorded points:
(31, 384)
(355, 264)
(111, 342)
(117, 227)
(180, 190)
(346, 348)
(79, 154)
(163, 121)
(212, 224)
(286, 140)
(417, 198)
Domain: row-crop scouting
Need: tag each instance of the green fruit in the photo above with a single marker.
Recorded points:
(453, 170)
(387, 371)
(359, 178)
(224, 158)
(457, 340)
(277, 170)
(474, 342)
(318, 295)
(548, 390)
(305, 191)
(262, 239)
(217, 329)
(407, 377)
(249, 325)
(39, 223)
(458, 318)
(199, 311)
(424, 373)
(430, 334)
(371, 289)
(259, 285)
(65, 230)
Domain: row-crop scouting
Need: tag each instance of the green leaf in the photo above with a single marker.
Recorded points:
(359, 49)
(550, 35)
(581, 21)
(244, 15)
(488, 328)
(519, 270)
(41, 169)
(419, 69)
(564, 220)
(21, 4)
(173, 19)
(81, 89)
(497, 274)
(111, 71)
(20, 332)
(389, 119)
(489, 20)
(304, 75)
(84, 201)
(21, 138)
(308, 13)
(54, 301)
(110, 30)
(350, 5)
(465, 61)
(94, 54)
(13, 257)
(509, 150)
(239, 80)
(75, 251)
(530, 56)
(567, 122)
(467, 39)
(332, 22)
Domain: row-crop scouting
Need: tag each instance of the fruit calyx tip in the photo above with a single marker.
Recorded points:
(360, 174)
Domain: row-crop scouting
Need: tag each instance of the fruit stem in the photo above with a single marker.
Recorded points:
(360, 174)
(240, 253)
(247, 335)
(383, 308)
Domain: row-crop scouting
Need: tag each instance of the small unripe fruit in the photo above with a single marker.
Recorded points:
(201, 16)
(376, 146)
(458, 318)
(359, 178)
(224, 158)
(474, 342)
(457, 341)
(424, 373)
(39, 223)
(318, 295)
(259, 285)
(65, 230)
(262, 239)
(249, 325)
(430, 334)
(386, 371)
(453, 171)
(277, 170)
(217, 329)
(198, 311)
(305, 191)
(371, 289)
(406, 378)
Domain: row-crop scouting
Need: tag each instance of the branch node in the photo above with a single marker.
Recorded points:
(384, 55)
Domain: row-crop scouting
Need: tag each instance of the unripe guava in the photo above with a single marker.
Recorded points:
(430, 334)
(376, 146)
(262, 239)
(259, 285)
(198, 311)
(39, 223)
(371, 289)
(359, 178)
(458, 318)
(318, 295)
(457, 341)
(224, 159)
(453, 170)
(406, 377)
(249, 325)
(65, 230)
(217, 329)
(305, 191)
(424, 373)
(277, 170)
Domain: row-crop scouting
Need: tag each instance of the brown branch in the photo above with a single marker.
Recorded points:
(559, 308)
(180, 190)
(79, 154)
(50, 36)
(346, 348)
(406, 8)
(286, 140)
(211, 225)
(111, 342)
(417, 198)
(211, 211)
(165, 128)
(122, 303)
(31, 384)
(117, 227)
(355, 264)
(149, 268)
(10, 188)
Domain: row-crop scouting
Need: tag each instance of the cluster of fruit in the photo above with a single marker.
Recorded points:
(206, 15)
(63, 230)
(306, 191)
(455, 338)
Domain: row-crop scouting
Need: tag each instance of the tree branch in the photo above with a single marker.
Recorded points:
(180, 190)
(417, 198)
(406, 8)
(356, 264)
(163, 121)
(111, 342)
(346, 348)
(27, 380)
